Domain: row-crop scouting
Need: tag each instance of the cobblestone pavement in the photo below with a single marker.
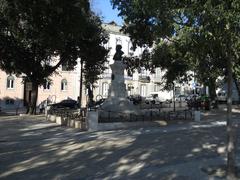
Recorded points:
(32, 148)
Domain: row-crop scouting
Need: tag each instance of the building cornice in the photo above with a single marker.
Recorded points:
(113, 29)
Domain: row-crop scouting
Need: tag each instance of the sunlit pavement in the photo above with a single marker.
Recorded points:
(32, 148)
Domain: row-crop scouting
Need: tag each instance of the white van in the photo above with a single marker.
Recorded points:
(159, 97)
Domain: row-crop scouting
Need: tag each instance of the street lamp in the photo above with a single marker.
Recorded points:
(80, 85)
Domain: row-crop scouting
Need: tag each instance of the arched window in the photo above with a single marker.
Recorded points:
(105, 88)
(64, 84)
(46, 85)
(10, 82)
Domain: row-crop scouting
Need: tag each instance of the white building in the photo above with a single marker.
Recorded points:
(140, 83)
(66, 84)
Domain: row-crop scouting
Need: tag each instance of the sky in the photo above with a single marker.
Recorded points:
(103, 8)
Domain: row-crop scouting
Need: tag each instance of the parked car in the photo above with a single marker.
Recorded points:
(136, 99)
(192, 96)
(181, 98)
(158, 98)
(67, 103)
(153, 99)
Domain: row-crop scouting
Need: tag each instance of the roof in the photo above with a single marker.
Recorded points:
(113, 28)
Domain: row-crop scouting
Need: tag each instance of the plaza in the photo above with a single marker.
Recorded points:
(119, 89)
(33, 148)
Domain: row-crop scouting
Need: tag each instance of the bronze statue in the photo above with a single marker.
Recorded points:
(118, 55)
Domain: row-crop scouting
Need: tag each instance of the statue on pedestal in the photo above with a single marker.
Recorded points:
(117, 97)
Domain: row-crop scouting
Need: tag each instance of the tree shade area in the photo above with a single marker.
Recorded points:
(37, 37)
(201, 36)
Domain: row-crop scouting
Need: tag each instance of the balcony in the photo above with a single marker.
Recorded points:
(144, 79)
(106, 76)
(157, 79)
(128, 77)
(109, 76)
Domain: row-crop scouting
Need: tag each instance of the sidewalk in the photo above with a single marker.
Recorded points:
(13, 111)
(33, 148)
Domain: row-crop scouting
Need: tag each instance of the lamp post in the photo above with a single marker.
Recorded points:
(80, 86)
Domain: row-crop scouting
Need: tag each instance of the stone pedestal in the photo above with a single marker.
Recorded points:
(117, 97)
(92, 118)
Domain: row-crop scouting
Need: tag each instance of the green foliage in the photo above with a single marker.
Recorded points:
(186, 35)
(198, 35)
(36, 37)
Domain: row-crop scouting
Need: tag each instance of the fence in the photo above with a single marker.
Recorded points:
(68, 117)
(179, 104)
(149, 115)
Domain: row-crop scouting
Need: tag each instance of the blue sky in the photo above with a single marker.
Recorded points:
(103, 8)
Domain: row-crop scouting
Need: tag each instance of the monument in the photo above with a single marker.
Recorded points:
(117, 96)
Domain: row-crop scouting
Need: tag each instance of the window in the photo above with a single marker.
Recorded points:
(64, 85)
(143, 90)
(129, 50)
(106, 46)
(65, 67)
(105, 88)
(156, 88)
(143, 72)
(46, 85)
(130, 89)
(9, 102)
(10, 82)
(118, 41)
(177, 90)
(157, 73)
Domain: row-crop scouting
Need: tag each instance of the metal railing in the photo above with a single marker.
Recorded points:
(150, 115)
(69, 114)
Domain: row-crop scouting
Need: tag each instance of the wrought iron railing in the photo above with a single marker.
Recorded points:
(150, 115)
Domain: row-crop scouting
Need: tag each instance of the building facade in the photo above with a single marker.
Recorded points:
(66, 84)
(14, 93)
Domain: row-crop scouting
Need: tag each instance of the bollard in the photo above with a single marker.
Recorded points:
(197, 116)
(92, 118)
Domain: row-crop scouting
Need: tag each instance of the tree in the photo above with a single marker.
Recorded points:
(37, 37)
(208, 34)
(236, 78)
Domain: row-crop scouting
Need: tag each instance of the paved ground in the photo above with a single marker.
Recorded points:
(32, 148)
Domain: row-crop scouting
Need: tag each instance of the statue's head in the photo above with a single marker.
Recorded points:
(118, 55)
(118, 47)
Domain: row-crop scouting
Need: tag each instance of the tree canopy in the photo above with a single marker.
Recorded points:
(186, 35)
(198, 35)
(37, 37)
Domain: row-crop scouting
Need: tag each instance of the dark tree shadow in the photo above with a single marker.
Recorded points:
(35, 149)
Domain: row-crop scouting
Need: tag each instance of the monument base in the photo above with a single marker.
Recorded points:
(120, 105)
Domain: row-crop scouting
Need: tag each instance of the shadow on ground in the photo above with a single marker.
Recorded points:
(31, 148)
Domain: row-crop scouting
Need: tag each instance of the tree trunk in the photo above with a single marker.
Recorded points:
(237, 86)
(231, 132)
(34, 95)
(212, 91)
(90, 96)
